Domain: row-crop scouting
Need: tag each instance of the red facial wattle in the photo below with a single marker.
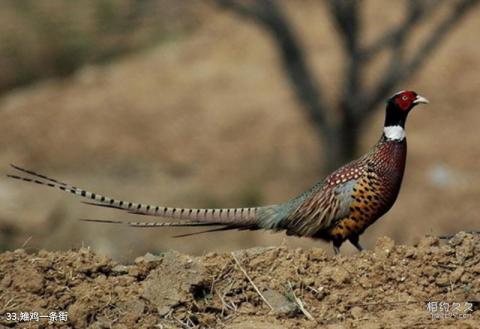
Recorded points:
(405, 100)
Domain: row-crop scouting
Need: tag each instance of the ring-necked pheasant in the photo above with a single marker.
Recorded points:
(336, 209)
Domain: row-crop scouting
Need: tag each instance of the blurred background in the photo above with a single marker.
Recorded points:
(226, 104)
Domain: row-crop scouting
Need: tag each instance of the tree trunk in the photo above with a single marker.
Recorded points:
(341, 144)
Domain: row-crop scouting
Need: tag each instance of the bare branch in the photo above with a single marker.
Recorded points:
(346, 15)
(270, 15)
(390, 79)
(400, 69)
(356, 102)
(347, 19)
(418, 11)
(248, 9)
(438, 34)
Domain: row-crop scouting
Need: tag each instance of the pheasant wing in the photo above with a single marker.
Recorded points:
(321, 208)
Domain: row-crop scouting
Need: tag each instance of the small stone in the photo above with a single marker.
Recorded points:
(466, 278)
(6, 281)
(365, 282)
(152, 258)
(43, 252)
(257, 262)
(120, 326)
(170, 284)
(83, 251)
(271, 255)
(211, 254)
(456, 274)
(357, 312)
(281, 304)
(133, 308)
(465, 250)
(411, 253)
(370, 325)
(317, 254)
(335, 325)
(476, 268)
(442, 280)
(340, 276)
(254, 324)
(428, 241)
(384, 246)
(429, 271)
(32, 283)
(120, 269)
(457, 239)
(134, 271)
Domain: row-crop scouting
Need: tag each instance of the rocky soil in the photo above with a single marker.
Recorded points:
(391, 286)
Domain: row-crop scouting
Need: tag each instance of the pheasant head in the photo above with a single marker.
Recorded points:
(398, 107)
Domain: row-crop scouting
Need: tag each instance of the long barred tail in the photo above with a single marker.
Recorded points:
(246, 218)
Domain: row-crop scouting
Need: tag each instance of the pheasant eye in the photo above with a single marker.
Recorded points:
(404, 98)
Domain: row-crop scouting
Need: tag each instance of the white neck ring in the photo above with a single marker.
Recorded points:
(396, 133)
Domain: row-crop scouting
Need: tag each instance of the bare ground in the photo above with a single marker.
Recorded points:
(388, 287)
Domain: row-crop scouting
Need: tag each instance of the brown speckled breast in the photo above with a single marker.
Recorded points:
(375, 191)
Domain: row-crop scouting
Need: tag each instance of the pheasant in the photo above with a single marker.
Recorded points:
(336, 209)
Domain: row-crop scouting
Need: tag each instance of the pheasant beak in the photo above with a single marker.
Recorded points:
(420, 100)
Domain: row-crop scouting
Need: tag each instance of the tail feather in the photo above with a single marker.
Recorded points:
(220, 216)
(38, 175)
(220, 229)
(149, 224)
(175, 224)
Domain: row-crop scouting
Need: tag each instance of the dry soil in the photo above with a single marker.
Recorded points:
(390, 286)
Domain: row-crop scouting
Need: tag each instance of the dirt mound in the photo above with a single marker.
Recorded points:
(392, 286)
